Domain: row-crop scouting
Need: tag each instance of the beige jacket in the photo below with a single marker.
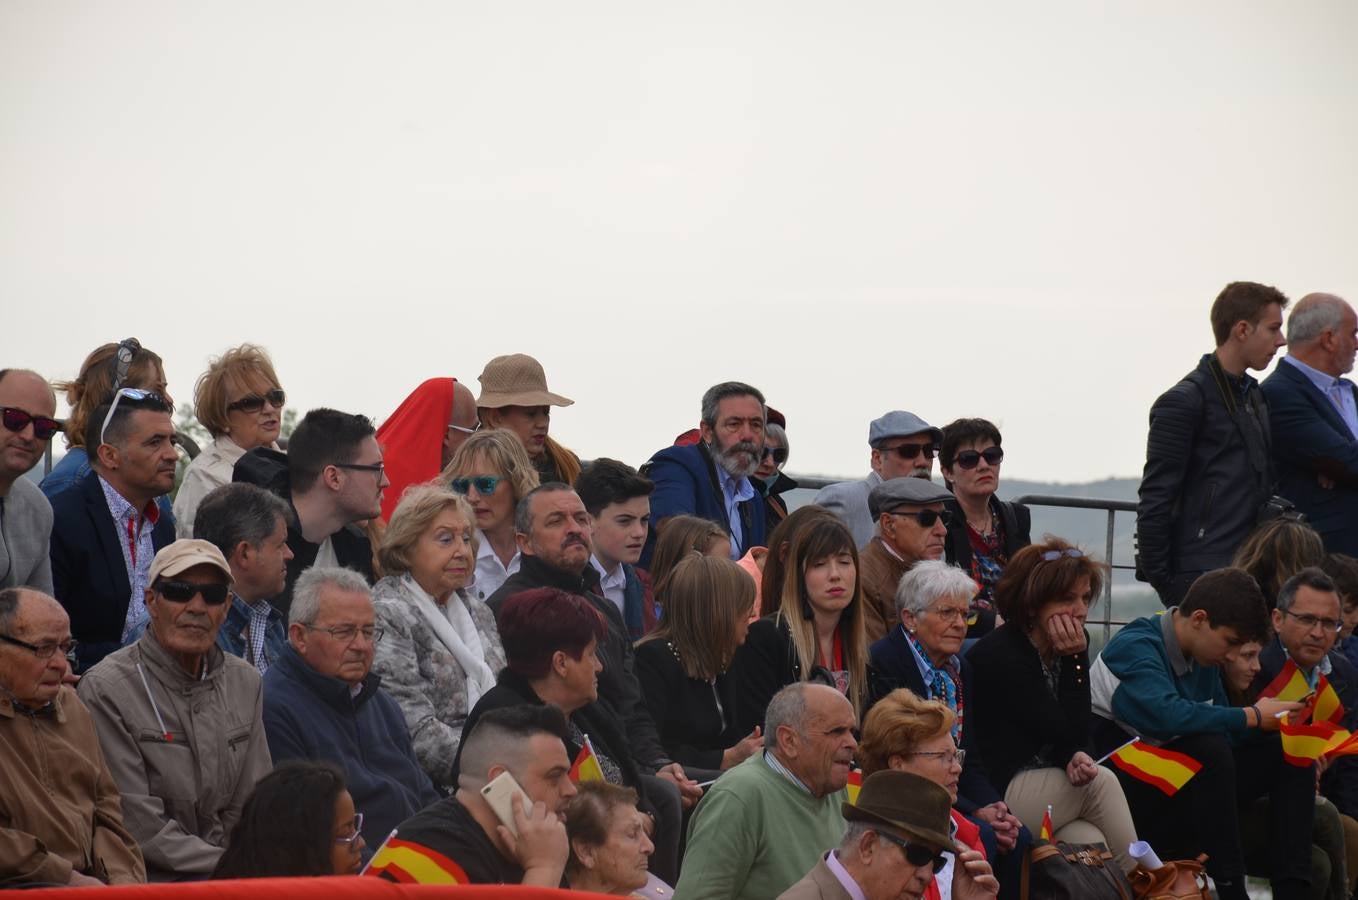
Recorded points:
(182, 785)
(818, 884)
(59, 807)
(879, 572)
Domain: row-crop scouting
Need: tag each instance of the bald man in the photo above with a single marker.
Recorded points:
(1314, 413)
(62, 816)
(27, 407)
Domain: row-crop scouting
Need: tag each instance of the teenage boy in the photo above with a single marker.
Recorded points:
(619, 500)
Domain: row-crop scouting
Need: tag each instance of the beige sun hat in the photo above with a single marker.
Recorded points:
(516, 380)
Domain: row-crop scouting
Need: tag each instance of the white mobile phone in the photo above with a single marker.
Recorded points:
(500, 795)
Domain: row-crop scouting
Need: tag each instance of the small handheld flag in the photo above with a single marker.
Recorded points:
(1167, 770)
(855, 783)
(586, 766)
(1047, 829)
(1290, 684)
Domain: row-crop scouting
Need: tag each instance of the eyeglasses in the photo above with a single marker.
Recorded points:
(779, 454)
(122, 361)
(16, 420)
(464, 429)
(910, 451)
(184, 591)
(926, 517)
(1069, 553)
(917, 854)
(377, 467)
(957, 756)
(485, 484)
(949, 614)
(1308, 621)
(970, 459)
(253, 403)
(347, 633)
(358, 827)
(44, 651)
(131, 394)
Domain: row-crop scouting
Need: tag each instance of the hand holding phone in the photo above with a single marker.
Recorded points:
(500, 794)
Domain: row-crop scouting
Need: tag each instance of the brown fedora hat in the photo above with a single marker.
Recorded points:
(909, 806)
(516, 380)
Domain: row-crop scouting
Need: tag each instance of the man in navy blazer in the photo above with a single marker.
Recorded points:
(1314, 413)
(107, 529)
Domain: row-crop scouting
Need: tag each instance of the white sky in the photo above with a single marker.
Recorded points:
(1016, 211)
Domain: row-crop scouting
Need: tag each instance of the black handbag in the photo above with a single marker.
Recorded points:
(1061, 871)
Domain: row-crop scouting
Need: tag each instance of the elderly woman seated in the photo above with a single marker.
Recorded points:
(440, 650)
(610, 843)
(1030, 704)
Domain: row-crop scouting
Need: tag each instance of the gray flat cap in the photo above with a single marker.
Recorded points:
(899, 423)
(899, 491)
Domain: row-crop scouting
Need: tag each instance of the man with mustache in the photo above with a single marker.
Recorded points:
(178, 719)
(27, 405)
(711, 479)
(108, 527)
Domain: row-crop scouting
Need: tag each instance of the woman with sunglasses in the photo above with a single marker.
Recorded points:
(771, 479)
(985, 531)
(1030, 704)
(300, 820)
(440, 650)
(906, 734)
(239, 402)
(491, 469)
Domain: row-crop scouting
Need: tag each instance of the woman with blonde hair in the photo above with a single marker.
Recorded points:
(239, 401)
(682, 665)
(817, 632)
(440, 649)
(492, 470)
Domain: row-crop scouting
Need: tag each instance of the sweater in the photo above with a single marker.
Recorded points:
(25, 534)
(755, 834)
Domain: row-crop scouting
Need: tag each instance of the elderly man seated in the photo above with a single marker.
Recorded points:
(322, 701)
(178, 719)
(911, 525)
(894, 841)
(767, 821)
(62, 823)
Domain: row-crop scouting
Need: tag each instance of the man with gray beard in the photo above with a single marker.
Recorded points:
(711, 479)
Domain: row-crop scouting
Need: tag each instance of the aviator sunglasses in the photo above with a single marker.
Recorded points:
(970, 459)
(16, 419)
(485, 484)
(183, 591)
(253, 403)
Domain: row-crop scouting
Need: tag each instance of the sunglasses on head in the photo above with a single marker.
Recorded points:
(253, 403)
(122, 360)
(910, 451)
(927, 517)
(485, 484)
(131, 394)
(970, 459)
(779, 454)
(183, 591)
(1071, 552)
(917, 854)
(16, 419)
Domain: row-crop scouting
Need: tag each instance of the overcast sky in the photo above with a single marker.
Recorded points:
(1015, 211)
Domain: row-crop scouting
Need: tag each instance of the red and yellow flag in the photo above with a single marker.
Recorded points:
(1167, 770)
(1291, 684)
(1303, 744)
(1047, 832)
(586, 766)
(407, 862)
(855, 783)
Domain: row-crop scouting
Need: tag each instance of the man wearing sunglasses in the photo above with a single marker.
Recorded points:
(109, 526)
(27, 406)
(912, 524)
(179, 720)
(903, 445)
(895, 838)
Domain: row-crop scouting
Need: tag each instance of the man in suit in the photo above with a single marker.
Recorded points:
(894, 838)
(108, 528)
(1314, 410)
(903, 445)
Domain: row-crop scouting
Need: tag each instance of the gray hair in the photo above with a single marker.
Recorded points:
(523, 511)
(238, 512)
(779, 434)
(719, 392)
(788, 707)
(930, 580)
(1314, 315)
(853, 833)
(9, 606)
(1312, 577)
(306, 594)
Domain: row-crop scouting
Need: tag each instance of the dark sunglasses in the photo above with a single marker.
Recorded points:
(927, 517)
(970, 459)
(253, 403)
(16, 419)
(485, 484)
(183, 591)
(917, 854)
(779, 454)
(910, 451)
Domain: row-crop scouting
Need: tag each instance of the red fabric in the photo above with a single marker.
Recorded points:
(412, 438)
(968, 833)
(335, 888)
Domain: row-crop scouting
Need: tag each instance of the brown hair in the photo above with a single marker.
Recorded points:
(235, 368)
(1030, 582)
(1277, 550)
(94, 385)
(771, 585)
(1242, 301)
(587, 818)
(1344, 570)
(676, 537)
(706, 599)
(896, 725)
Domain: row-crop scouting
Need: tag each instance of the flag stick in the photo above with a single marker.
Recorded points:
(1104, 758)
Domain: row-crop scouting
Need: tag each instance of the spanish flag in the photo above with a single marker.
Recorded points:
(1167, 770)
(586, 766)
(407, 862)
(855, 783)
(1291, 684)
(1303, 744)
(1047, 830)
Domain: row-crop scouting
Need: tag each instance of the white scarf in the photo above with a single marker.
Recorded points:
(453, 626)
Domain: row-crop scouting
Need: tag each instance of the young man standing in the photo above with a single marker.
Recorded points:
(619, 500)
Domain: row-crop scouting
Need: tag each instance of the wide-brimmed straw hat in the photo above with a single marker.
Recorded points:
(905, 804)
(516, 380)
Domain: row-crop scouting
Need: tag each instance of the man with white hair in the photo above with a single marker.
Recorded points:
(1314, 411)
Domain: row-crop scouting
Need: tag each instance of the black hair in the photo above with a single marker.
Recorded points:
(9, 606)
(118, 426)
(285, 828)
(1312, 577)
(1231, 598)
(1343, 569)
(607, 481)
(523, 510)
(323, 438)
(238, 512)
(964, 431)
